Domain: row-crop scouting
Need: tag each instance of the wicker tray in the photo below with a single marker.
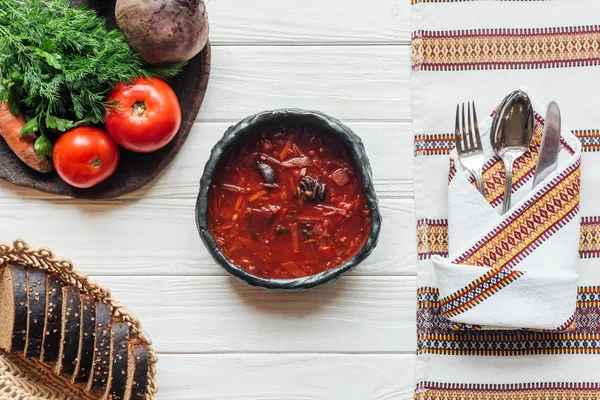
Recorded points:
(27, 379)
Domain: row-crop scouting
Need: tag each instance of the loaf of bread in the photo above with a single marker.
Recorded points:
(36, 305)
(119, 346)
(53, 322)
(85, 354)
(13, 308)
(71, 332)
(98, 379)
(137, 372)
(69, 336)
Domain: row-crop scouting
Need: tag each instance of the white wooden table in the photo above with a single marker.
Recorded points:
(216, 338)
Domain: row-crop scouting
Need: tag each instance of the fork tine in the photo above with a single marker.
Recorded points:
(470, 130)
(457, 131)
(464, 130)
(476, 124)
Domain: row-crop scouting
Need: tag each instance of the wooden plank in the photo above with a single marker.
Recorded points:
(159, 236)
(158, 226)
(276, 377)
(309, 21)
(389, 146)
(219, 314)
(347, 82)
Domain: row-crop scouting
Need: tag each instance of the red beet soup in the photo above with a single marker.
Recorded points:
(288, 203)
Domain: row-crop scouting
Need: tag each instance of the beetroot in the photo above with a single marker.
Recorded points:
(164, 31)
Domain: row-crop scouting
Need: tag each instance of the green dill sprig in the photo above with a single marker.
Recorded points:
(58, 64)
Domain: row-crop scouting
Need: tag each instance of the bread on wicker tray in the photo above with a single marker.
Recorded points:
(36, 312)
(137, 371)
(87, 335)
(84, 344)
(13, 308)
(53, 321)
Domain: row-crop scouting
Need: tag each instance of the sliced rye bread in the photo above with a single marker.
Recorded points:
(69, 337)
(119, 347)
(98, 379)
(36, 305)
(53, 322)
(137, 372)
(13, 308)
(86, 339)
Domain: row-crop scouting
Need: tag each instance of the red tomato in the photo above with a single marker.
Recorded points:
(84, 156)
(146, 117)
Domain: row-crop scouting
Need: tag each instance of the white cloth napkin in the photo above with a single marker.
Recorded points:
(516, 270)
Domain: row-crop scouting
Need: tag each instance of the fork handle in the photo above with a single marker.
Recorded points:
(479, 180)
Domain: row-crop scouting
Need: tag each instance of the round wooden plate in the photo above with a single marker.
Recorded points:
(135, 169)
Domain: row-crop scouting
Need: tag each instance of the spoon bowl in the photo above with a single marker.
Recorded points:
(511, 133)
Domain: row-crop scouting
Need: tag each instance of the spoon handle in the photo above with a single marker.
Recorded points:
(508, 166)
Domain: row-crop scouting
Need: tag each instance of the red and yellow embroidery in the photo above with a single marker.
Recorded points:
(432, 238)
(430, 145)
(579, 335)
(518, 391)
(435, 145)
(589, 242)
(537, 219)
(468, 297)
(505, 48)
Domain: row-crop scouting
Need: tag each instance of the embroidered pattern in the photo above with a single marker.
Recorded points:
(537, 219)
(589, 240)
(433, 145)
(452, 171)
(589, 243)
(436, 335)
(505, 48)
(590, 139)
(478, 291)
(436, 145)
(517, 391)
(432, 238)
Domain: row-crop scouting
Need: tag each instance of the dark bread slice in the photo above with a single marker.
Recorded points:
(36, 305)
(53, 322)
(119, 349)
(13, 308)
(86, 339)
(98, 379)
(137, 372)
(69, 336)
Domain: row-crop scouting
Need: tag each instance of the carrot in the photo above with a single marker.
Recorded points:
(286, 149)
(257, 196)
(23, 147)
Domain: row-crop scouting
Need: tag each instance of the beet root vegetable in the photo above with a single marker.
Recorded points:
(164, 31)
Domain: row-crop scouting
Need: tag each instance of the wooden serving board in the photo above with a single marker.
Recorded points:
(135, 169)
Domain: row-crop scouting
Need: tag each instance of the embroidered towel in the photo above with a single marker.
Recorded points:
(516, 270)
(481, 50)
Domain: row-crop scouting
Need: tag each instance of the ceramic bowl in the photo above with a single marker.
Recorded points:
(296, 118)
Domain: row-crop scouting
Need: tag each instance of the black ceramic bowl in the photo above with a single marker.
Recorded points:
(298, 118)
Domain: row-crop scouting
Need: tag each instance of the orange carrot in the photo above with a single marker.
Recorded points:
(238, 203)
(286, 149)
(23, 147)
(257, 196)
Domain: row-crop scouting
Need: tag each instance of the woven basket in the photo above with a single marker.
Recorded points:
(27, 379)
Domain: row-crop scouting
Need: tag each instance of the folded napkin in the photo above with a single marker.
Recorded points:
(516, 270)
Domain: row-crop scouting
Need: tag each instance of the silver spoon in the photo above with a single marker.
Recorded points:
(512, 130)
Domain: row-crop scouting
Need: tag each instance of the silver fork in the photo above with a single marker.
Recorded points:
(468, 144)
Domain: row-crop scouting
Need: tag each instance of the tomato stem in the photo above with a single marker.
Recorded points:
(96, 163)
(139, 108)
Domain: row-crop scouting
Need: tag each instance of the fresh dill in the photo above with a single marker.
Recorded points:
(58, 64)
